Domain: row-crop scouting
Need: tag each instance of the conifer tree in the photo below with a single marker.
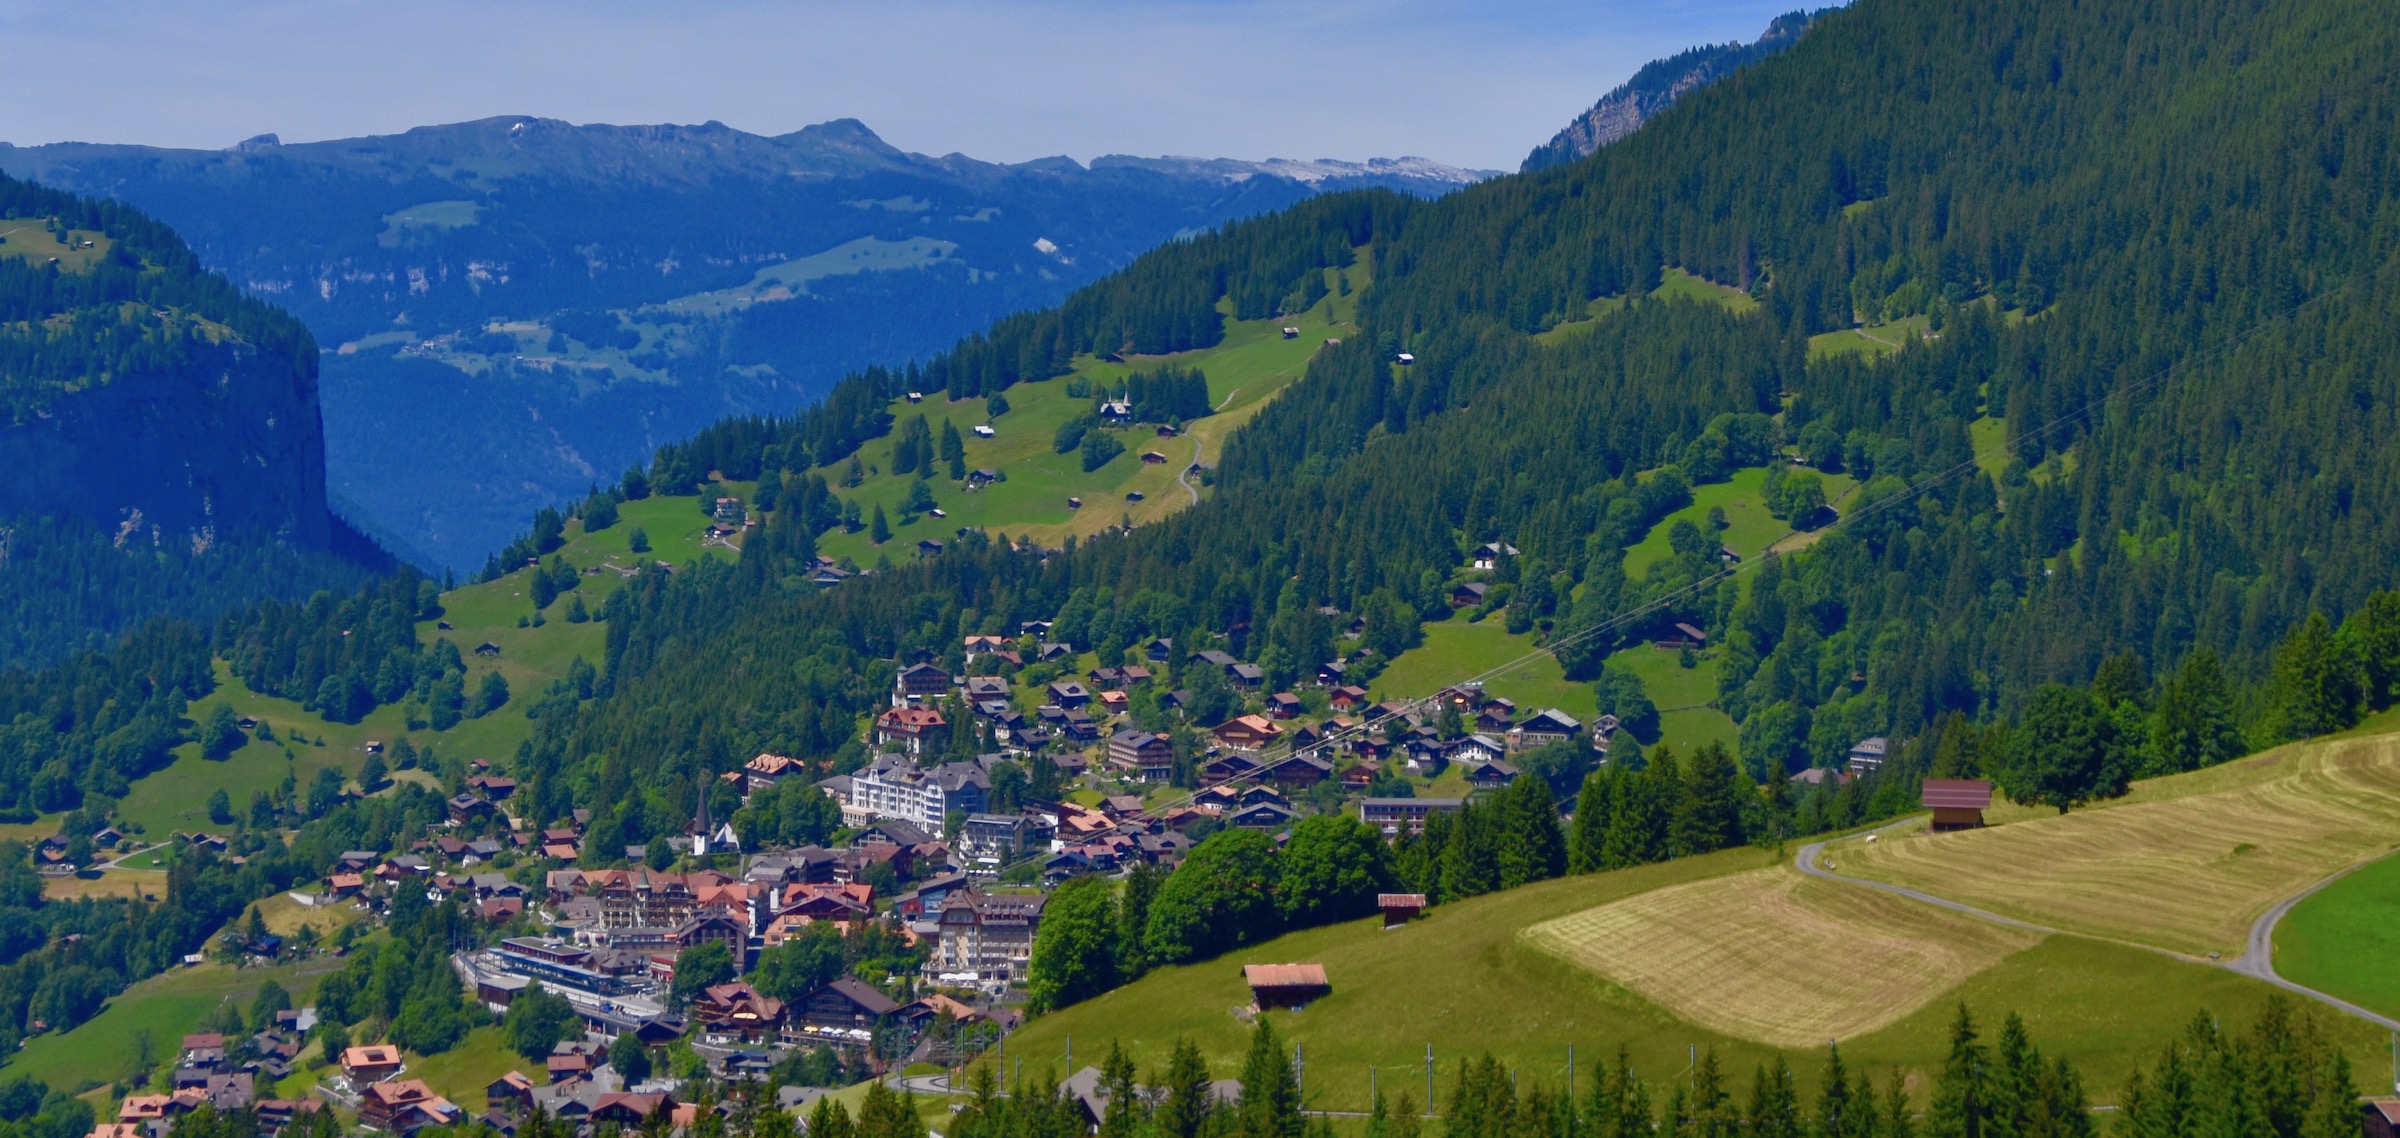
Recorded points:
(1270, 1103)
(1959, 1109)
(1532, 848)
(2196, 726)
(1124, 1101)
(2315, 690)
(1185, 1109)
(1713, 1112)
(1708, 814)
(1774, 1102)
(1592, 806)
(1843, 1111)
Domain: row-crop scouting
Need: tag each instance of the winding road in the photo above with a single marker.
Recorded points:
(2257, 960)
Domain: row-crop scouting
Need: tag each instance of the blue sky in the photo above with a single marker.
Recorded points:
(1477, 84)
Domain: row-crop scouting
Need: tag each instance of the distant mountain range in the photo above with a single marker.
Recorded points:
(1656, 87)
(515, 308)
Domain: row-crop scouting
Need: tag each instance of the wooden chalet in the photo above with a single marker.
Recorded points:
(1957, 803)
(1285, 985)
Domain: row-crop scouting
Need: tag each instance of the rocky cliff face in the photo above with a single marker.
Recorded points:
(229, 444)
(1656, 87)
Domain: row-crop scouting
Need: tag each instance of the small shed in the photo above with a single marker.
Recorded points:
(1285, 985)
(1957, 803)
(1399, 908)
(2382, 1118)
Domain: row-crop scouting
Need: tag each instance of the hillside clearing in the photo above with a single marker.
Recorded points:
(1455, 649)
(163, 1008)
(1247, 369)
(1778, 957)
(2178, 870)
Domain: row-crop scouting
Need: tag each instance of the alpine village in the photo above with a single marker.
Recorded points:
(1856, 595)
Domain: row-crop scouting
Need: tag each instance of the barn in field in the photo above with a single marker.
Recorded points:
(1285, 985)
(1957, 803)
(1399, 908)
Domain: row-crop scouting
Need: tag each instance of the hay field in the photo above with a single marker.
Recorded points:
(1778, 957)
(2186, 863)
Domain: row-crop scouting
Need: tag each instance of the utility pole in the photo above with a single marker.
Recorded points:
(1429, 1080)
(1300, 1071)
(1570, 1075)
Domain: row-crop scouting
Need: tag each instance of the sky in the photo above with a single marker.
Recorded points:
(1476, 84)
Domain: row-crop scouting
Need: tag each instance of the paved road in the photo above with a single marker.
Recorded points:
(921, 1084)
(2257, 960)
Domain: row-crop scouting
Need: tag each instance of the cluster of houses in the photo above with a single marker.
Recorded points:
(213, 1073)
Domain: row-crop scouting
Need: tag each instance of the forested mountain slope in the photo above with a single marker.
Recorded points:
(160, 430)
(577, 295)
(2078, 199)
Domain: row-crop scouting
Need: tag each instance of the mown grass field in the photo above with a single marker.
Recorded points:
(2344, 937)
(1252, 365)
(1775, 956)
(165, 1007)
(1466, 980)
(2184, 863)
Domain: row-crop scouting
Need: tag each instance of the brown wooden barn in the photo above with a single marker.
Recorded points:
(1285, 985)
(1957, 803)
(1399, 908)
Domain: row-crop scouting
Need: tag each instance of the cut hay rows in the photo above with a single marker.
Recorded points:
(2185, 872)
(1777, 957)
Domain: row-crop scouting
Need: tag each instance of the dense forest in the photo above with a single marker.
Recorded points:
(141, 307)
(66, 587)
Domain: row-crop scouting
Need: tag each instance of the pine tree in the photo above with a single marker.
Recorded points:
(1532, 848)
(880, 530)
(1774, 1102)
(1896, 1119)
(1708, 814)
(2195, 720)
(1592, 806)
(1713, 1112)
(2315, 690)
(1842, 1111)
(1958, 1109)
(1117, 1076)
(1184, 1111)
(1270, 1103)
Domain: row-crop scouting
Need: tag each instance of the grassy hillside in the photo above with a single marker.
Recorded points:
(164, 1008)
(1250, 367)
(175, 799)
(1471, 977)
(2343, 938)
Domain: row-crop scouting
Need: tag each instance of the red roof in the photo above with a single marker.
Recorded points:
(1285, 976)
(1400, 900)
(1958, 793)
